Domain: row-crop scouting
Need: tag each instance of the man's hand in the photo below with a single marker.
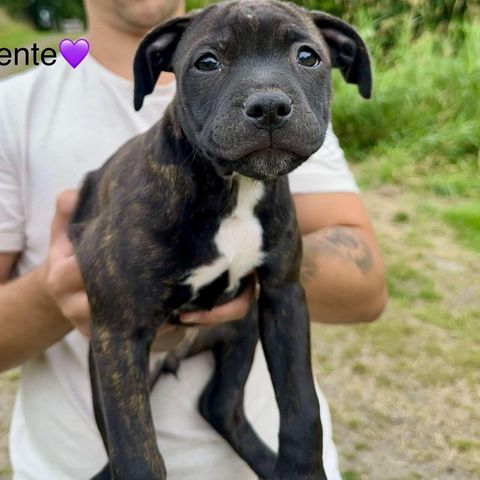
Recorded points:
(62, 275)
(64, 283)
(228, 312)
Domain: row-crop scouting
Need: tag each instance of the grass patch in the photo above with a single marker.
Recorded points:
(463, 324)
(465, 220)
(354, 423)
(359, 368)
(383, 380)
(465, 445)
(401, 217)
(351, 475)
(391, 338)
(361, 446)
(408, 284)
(469, 359)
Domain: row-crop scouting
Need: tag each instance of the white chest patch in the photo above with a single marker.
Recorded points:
(238, 240)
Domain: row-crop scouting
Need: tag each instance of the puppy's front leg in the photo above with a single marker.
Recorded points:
(118, 367)
(285, 334)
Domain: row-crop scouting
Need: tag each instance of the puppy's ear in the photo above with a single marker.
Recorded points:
(348, 51)
(155, 55)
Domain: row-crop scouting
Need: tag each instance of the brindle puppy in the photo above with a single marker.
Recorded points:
(179, 216)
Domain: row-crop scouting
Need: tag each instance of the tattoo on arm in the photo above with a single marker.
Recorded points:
(340, 242)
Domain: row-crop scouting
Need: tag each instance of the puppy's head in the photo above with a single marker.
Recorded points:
(253, 80)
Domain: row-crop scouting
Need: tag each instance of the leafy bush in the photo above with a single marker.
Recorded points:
(390, 17)
(423, 122)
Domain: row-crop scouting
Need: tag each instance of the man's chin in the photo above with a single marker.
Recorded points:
(267, 164)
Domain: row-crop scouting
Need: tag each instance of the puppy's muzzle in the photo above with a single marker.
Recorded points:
(268, 110)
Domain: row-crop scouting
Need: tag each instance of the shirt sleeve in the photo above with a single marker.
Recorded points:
(326, 171)
(12, 218)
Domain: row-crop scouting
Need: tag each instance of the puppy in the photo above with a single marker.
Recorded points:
(178, 218)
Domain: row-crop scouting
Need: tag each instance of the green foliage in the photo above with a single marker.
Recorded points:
(422, 127)
(62, 8)
(428, 13)
(390, 17)
(192, 4)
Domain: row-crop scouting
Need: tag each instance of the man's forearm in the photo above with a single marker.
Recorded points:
(343, 276)
(30, 322)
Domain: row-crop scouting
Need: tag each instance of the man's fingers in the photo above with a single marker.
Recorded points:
(59, 242)
(231, 311)
(65, 277)
(65, 205)
(76, 308)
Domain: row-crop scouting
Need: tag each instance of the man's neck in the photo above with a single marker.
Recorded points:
(115, 49)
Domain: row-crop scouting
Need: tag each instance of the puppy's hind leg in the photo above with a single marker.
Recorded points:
(221, 404)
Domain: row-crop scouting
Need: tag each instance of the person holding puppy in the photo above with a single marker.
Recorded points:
(56, 124)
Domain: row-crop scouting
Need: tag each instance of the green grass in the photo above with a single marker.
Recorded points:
(351, 475)
(465, 445)
(463, 323)
(408, 284)
(465, 220)
(401, 217)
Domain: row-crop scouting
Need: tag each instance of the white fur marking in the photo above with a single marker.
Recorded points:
(238, 240)
(206, 274)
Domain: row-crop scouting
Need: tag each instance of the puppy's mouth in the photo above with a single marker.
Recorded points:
(266, 163)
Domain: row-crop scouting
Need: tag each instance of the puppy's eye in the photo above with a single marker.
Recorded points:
(308, 58)
(208, 63)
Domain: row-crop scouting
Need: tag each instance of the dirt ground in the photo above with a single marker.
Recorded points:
(405, 390)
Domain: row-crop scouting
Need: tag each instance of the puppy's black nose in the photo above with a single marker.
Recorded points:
(269, 110)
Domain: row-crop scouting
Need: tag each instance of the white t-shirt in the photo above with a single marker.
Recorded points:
(56, 124)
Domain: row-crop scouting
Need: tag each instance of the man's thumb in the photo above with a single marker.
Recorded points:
(65, 206)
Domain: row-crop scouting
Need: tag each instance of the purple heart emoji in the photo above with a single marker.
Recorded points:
(74, 52)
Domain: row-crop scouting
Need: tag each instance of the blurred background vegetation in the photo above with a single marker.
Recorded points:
(404, 391)
(423, 125)
(45, 14)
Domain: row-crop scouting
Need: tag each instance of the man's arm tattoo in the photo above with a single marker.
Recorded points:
(340, 242)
